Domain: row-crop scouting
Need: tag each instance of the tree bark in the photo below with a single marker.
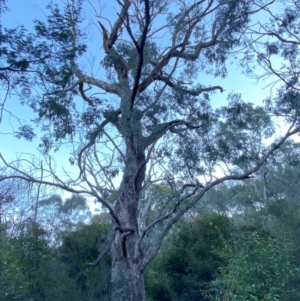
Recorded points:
(127, 279)
(127, 276)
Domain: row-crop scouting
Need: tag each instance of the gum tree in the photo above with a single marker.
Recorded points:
(145, 120)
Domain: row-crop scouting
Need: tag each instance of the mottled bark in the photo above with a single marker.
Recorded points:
(127, 279)
(127, 276)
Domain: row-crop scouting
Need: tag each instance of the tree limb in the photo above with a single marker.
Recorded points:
(197, 196)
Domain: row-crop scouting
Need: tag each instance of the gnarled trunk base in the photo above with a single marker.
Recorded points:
(127, 280)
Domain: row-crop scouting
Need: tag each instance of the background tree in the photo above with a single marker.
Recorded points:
(263, 256)
(58, 215)
(260, 267)
(189, 260)
(80, 247)
(13, 283)
(156, 127)
(35, 268)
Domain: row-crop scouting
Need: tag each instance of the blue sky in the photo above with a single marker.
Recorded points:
(23, 12)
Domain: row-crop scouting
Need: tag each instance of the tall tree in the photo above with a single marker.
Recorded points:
(157, 126)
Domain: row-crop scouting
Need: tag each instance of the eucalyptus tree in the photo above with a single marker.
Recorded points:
(146, 119)
(57, 215)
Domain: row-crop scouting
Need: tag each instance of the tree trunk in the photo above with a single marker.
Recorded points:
(127, 280)
(127, 276)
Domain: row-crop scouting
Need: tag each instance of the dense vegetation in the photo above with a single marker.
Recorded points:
(241, 243)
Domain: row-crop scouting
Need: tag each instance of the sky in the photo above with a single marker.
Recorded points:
(23, 12)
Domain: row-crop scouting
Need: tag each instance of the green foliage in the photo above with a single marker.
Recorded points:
(32, 270)
(26, 132)
(37, 260)
(27, 266)
(15, 55)
(77, 249)
(74, 202)
(157, 281)
(239, 133)
(189, 261)
(62, 214)
(13, 283)
(260, 268)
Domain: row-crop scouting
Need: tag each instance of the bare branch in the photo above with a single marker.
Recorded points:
(118, 24)
(109, 88)
(193, 92)
(20, 174)
(162, 128)
(197, 196)
(140, 49)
